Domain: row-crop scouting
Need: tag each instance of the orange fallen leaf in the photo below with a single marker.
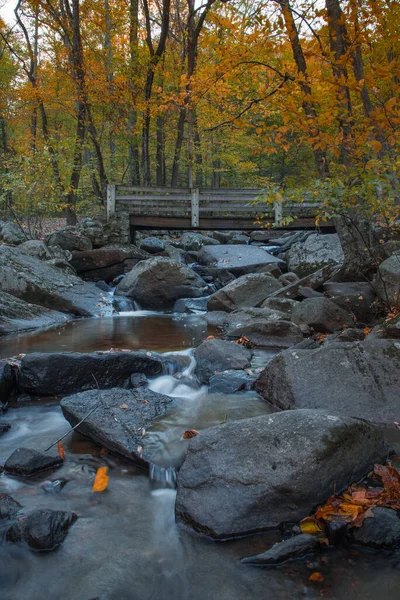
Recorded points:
(101, 480)
(61, 451)
(124, 406)
(211, 337)
(311, 526)
(367, 330)
(316, 577)
(189, 434)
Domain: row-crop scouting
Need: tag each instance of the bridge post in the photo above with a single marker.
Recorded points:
(278, 213)
(110, 208)
(195, 207)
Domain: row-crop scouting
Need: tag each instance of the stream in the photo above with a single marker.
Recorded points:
(125, 544)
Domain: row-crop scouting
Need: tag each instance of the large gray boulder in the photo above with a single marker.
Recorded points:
(37, 282)
(152, 245)
(62, 373)
(105, 264)
(248, 476)
(238, 259)
(358, 379)
(195, 241)
(246, 291)
(387, 280)
(11, 233)
(216, 355)
(315, 252)
(356, 297)
(322, 314)
(120, 421)
(158, 282)
(68, 238)
(37, 249)
(269, 334)
(17, 315)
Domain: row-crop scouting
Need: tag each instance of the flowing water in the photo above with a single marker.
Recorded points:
(126, 544)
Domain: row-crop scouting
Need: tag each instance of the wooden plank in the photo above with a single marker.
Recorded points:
(162, 222)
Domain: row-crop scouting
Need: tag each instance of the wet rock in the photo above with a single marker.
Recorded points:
(218, 318)
(62, 373)
(248, 476)
(37, 249)
(26, 462)
(53, 487)
(4, 427)
(36, 282)
(359, 379)
(229, 382)
(120, 420)
(293, 548)
(387, 280)
(321, 314)
(218, 355)
(11, 233)
(7, 381)
(103, 286)
(238, 259)
(191, 305)
(158, 282)
(8, 506)
(17, 315)
(314, 253)
(43, 529)
(355, 297)
(68, 238)
(152, 245)
(106, 263)
(382, 531)
(246, 291)
(269, 334)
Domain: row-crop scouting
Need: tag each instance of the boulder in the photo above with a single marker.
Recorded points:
(238, 259)
(37, 282)
(247, 476)
(246, 316)
(26, 462)
(17, 315)
(246, 291)
(94, 230)
(68, 238)
(195, 241)
(315, 252)
(387, 280)
(37, 249)
(284, 305)
(359, 379)
(106, 263)
(43, 529)
(191, 305)
(7, 381)
(391, 328)
(240, 238)
(62, 373)
(152, 245)
(293, 548)
(218, 355)
(313, 281)
(355, 297)
(120, 421)
(269, 334)
(8, 507)
(11, 233)
(381, 531)
(288, 278)
(321, 314)
(158, 282)
(229, 382)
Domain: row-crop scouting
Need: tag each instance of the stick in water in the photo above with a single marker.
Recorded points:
(81, 421)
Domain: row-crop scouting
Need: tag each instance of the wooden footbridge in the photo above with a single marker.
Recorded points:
(204, 208)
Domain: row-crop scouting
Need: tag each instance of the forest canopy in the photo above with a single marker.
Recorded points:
(277, 94)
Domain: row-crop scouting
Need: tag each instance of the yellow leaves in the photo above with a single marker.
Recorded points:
(390, 104)
(311, 526)
(60, 450)
(316, 577)
(101, 480)
(376, 146)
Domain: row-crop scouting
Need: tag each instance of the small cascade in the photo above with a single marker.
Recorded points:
(166, 476)
(123, 304)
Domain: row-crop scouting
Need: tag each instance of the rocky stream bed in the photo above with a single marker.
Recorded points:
(231, 384)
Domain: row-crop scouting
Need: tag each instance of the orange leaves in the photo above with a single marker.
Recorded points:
(60, 450)
(356, 503)
(244, 341)
(316, 577)
(101, 480)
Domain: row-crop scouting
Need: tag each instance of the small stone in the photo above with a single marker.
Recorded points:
(382, 531)
(26, 462)
(42, 529)
(8, 506)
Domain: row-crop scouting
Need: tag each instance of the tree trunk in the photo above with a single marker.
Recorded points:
(133, 145)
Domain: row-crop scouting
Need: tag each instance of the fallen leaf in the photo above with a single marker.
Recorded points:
(124, 406)
(61, 451)
(316, 577)
(311, 526)
(367, 330)
(101, 480)
(189, 434)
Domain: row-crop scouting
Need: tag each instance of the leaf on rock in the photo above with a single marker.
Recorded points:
(311, 526)
(124, 406)
(316, 577)
(189, 434)
(60, 450)
(101, 480)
